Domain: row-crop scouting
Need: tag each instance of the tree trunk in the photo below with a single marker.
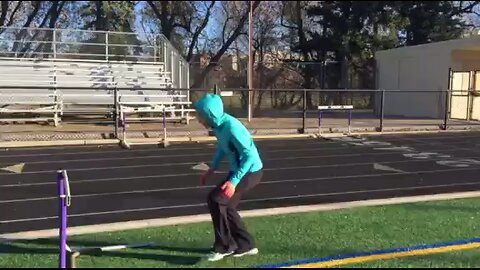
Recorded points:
(23, 32)
(198, 31)
(100, 20)
(3, 15)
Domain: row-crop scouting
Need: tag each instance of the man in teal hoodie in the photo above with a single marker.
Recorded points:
(235, 142)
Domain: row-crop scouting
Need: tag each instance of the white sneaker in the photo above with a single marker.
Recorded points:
(215, 256)
(253, 251)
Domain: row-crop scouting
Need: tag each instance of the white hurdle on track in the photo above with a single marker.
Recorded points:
(348, 108)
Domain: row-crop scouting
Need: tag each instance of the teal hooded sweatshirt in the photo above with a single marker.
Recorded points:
(233, 139)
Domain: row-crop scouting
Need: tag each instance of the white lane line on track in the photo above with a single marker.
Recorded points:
(73, 182)
(265, 182)
(171, 149)
(245, 201)
(208, 155)
(166, 156)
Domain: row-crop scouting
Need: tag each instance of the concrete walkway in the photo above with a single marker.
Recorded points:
(97, 130)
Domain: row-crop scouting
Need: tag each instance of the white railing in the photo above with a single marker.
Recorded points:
(97, 46)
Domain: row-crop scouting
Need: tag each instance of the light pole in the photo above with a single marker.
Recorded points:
(250, 62)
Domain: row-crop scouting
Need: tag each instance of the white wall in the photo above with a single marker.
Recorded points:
(421, 72)
(423, 67)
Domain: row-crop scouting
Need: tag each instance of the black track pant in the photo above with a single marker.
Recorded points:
(230, 231)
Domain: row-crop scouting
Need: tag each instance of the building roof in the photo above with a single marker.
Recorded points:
(472, 42)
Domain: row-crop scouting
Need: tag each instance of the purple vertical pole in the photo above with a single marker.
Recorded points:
(319, 121)
(63, 219)
(164, 126)
(349, 120)
(124, 125)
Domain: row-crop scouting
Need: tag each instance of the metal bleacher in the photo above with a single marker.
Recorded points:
(44, 103)
(46, 89)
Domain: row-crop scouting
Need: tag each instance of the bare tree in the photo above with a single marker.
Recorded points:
(228, 37)
(197, 30)
(9, 11)
(293, 19)
(182, 22)
(22, 33)
(268, 47)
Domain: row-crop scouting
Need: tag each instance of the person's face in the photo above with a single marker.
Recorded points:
(203, 121)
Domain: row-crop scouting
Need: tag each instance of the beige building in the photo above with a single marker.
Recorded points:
(453, 64)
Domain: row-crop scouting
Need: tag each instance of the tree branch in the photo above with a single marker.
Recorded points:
(173, 14)
(36, 8)
(187, 20)
(187, 26)
(21, 33)
(53, 20)
(225, 46)
(53, 14)
(468, 8)
(10, 21)
(198, 31)
(162, 16)
(225, 28)
(282, 21)
(155, 9)
(3, 16)
(50, 13)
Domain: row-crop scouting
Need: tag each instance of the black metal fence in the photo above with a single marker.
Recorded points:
(275, 109)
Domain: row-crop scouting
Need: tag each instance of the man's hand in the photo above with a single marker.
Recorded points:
(228, 189)
(207, 174)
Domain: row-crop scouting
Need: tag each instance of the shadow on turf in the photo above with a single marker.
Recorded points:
(12, 248)
(84, 243)
(17, 248)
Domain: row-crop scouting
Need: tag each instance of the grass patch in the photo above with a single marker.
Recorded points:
(282, 238)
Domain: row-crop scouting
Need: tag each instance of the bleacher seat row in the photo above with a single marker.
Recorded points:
(96, 82)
